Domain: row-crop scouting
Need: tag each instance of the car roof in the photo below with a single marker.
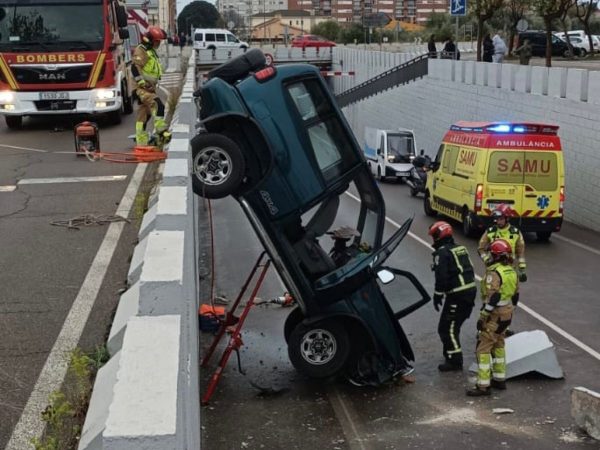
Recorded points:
(212, 30)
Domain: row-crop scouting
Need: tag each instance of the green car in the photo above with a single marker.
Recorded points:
(274, 138)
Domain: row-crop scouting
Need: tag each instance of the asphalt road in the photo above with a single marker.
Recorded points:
(296, 413)
(43, 267)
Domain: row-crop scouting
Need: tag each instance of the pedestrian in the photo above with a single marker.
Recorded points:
(454, 280)
(431, 47)
(503, 229)
(147, 72)
(524, 52)
(450, 50)
(182, 40)
(499, 48)
(488, 48)
(502, 286)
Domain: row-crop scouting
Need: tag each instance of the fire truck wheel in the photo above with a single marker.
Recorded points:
(114, 117)
(14, 122)
(319, 350)
(218, 165)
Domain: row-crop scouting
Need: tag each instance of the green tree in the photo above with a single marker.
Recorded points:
(550, 10)
(329, 29)
(199, 14)
(354, 32)
(483, 11)
(584, 12)
(514, 11)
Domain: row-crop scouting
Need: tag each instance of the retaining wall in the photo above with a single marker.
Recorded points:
(468, 90)
(147, 395)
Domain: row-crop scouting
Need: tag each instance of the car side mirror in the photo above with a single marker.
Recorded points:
(385, 276)
(422, 152)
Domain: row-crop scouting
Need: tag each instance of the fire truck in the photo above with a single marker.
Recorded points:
(60, 57)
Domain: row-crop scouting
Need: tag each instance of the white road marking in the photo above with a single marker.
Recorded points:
(348, 425)
(71, 179)
(7, 188)
(522, 306)
(51, 377)
(576, 244)
(29, 149)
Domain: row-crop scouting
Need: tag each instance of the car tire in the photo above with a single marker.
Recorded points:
(567, 54)
(240, 66)
(293, 319)
(429, 211)
(14, 122)
(114, 117)
(582, 53)
(543, 236)
(319, 350)
(218, 165)
(467, 223)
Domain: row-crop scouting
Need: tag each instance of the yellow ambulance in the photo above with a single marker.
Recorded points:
(483, 164)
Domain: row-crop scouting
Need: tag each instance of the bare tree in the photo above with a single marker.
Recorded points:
(483, 11)
(563, 21)
(550, 10)
(584, 12)
(515, 11)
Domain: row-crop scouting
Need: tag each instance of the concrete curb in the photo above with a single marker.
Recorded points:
(585, 409)
(147, 395)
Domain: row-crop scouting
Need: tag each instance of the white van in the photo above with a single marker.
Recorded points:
(389, 153)
(213, 38)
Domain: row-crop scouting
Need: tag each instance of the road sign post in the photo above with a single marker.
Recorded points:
(458, 8)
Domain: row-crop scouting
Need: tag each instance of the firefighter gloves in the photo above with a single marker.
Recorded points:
(438, 300)
(522, 276)
(483, 317)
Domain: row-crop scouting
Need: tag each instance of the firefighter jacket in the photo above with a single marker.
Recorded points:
(146, 65)
(510, 234)
(453, 268)
(502, 286)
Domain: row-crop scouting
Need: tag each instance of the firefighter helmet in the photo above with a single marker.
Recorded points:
(500, 249)
(502, 210)
(440, 230)
(155, 34)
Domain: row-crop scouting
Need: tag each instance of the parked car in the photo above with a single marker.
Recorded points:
(310, 40)
(580, 39)
(274, 138)
(213, 38)
(538, 44)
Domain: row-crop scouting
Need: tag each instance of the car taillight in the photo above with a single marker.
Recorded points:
(561, 200)
(478, 197)
(265, 74)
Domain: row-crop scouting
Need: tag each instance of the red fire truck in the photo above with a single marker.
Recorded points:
(64, 57)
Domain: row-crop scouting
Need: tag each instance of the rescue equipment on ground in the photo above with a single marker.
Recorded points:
(87, 138)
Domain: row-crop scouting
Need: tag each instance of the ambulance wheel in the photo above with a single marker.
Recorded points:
(218, 165)
(319, 350)
(543, 236)
(467, 224)
(14, 122)
(429, 211)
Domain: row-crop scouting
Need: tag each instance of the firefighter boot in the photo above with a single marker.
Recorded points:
(454, 364)
(141, 135)
(478, 392)
(500, 385)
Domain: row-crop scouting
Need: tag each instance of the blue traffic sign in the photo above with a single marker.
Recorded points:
(458, 7)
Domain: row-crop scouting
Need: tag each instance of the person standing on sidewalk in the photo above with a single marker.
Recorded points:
(454, 280)
(524, 52)
(488, 48)
(432, 51)
(499, 48)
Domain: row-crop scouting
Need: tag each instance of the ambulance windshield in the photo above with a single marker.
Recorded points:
(51, 25)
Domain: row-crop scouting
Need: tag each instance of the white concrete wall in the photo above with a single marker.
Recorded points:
(489, 92)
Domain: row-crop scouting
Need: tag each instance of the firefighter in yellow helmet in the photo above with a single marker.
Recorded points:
(147, 72)
(502, 287)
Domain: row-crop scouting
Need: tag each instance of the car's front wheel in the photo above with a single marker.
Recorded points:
(218, 165)
(467, 223)
(319, 350)
(429, 211)
(14, 122)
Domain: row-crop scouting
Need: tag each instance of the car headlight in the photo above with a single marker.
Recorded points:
(6, 97)
(103, 94)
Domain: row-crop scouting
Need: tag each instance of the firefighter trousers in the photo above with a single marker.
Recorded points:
(150, 106)
(490, 347)
(457, 308)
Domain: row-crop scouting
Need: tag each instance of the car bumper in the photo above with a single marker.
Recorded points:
(79, 102)
(391, 172)
(525, 224)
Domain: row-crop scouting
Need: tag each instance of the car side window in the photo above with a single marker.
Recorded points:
(381, 149)
(220, 37)
(198, 37)
(231, 38)
(210, 37)
(449, 162)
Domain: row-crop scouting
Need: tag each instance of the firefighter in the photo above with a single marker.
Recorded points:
(502, 229)
(502, 287)
(147, 71)
(455, 280)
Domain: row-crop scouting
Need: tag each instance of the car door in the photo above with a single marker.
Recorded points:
(443, 193)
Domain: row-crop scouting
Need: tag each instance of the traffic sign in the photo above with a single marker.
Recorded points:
(522, 25)
(458, 7)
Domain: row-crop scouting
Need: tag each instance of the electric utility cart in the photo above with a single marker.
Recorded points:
(274, 138)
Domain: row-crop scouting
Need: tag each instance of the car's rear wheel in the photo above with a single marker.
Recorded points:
(14, 122)
(319, 350)
(218, 165)
(429, 211)
(467, 223)
(543, 236)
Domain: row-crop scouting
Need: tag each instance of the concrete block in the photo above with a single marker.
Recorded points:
(181, 128)
(148, 219)
(539, 80)
(470, 75)
(137, 261)
(585, 409)
(434, 69)
(128, 307)
(494, 75)
(594, 87)
(557, 82)
(161, 280)
(179, 146)
(522, 78)
(143, 412)
(508, 77)
(176, 172)
(171, 209)
(577, 85)
(102, 396)
(481, 73)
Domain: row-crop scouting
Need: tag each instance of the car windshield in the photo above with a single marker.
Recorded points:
(401, 144)
(48, 25)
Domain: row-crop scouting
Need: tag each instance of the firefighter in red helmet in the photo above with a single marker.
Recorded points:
(147, 72)
(454, 280)
(502, 295)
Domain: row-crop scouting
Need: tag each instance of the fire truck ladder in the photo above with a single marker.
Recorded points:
(402, 74)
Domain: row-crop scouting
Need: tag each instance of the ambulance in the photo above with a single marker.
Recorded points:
(480, 165)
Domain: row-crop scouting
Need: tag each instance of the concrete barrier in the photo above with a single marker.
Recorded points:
(147, 395)
(585, 409)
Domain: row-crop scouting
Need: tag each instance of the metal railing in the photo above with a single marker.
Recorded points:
(402, 74)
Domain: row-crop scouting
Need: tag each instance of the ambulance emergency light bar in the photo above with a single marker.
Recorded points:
(505, 128)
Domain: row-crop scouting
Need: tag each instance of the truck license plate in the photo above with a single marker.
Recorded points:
(54, 96)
